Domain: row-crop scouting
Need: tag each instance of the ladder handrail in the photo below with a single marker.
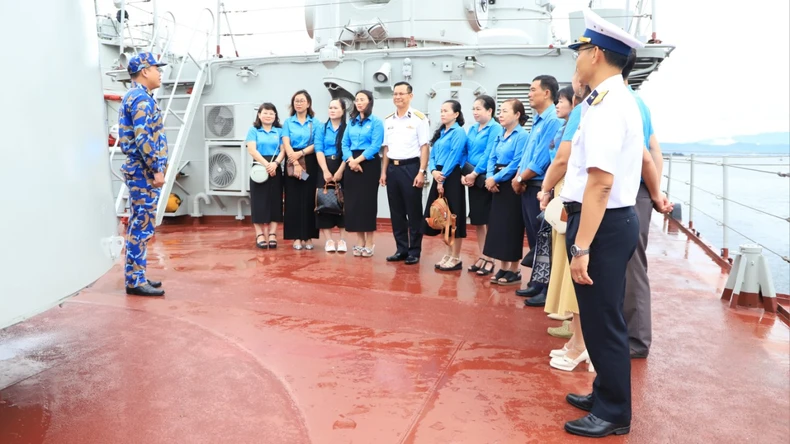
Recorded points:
(170, 35)
(189, 112)
(183, 62)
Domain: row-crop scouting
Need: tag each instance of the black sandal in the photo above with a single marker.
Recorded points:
(261, 245)
(499, 274)
(485, 270)
(474, 267)
(273, 243)
(510, 278)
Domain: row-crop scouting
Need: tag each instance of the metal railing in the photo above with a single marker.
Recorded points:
(728, 163)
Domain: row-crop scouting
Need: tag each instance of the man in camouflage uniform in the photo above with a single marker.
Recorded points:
(142, 140)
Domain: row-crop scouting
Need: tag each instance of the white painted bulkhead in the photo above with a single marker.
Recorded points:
(58, 218)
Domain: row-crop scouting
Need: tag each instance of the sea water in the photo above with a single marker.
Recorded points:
(759, 203)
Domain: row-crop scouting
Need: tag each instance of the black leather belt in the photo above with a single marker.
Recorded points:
(499, 168)
(401, 162)
(534, 183)
(332, 157)
(572, 207)
(576, 207)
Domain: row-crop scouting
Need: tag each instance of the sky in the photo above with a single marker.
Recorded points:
(729, 74)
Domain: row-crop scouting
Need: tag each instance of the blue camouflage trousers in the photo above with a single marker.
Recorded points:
(143, 199)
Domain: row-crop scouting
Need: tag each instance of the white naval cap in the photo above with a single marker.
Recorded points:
(606, 35)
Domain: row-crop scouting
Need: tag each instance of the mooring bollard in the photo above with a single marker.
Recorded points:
(750, 281)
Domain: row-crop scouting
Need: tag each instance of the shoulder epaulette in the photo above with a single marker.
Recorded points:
(419, 114)
(600, 97)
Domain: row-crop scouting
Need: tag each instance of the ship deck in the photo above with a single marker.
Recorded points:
(285, 346)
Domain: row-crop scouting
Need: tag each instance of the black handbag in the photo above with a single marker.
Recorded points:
(329, 199)
(480, 181)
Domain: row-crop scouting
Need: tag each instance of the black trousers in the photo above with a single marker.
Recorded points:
(405, 202)
(530, 208)
(601, 309)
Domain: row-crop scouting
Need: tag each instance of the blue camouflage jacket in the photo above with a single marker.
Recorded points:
(141, 131)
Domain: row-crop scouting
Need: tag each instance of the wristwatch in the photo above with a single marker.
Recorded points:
(425, 173)
(576, 251)
(518, 179)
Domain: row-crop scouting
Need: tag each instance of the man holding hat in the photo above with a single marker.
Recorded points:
(142, 139)
(599, 195)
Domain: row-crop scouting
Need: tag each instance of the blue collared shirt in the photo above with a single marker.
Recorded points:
(367, 135)
(647, 122)
(326, 139)
(574, 120)
(554, 145)
(536, 154)
(141, 130)
(299, 133)
(449, 150)
(266, 142)
(480, 141)
(507, 151)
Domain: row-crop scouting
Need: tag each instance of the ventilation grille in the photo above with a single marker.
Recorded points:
(222, 170)
(219, 122)
(518, 91)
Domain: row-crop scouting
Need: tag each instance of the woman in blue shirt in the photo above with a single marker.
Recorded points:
(448, 155)
(481, 138)
(266, 199)
(561, 295)
(298, 143)
(505, 238)
(328, 152)
(361, 145)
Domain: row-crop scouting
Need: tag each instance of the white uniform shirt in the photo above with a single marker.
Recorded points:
(403, 136)
(610, 138)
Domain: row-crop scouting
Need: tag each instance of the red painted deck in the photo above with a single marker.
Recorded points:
(286, 346)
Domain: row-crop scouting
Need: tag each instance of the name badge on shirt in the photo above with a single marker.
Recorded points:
(409, 127)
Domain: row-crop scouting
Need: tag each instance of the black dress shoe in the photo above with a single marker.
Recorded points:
(638, 355)
(155, 284)
(411, 260)
(536, 301)
(593, 427)
(580, 402)
(528, 292)
(529, 259)
(144, 290)
(397, 257)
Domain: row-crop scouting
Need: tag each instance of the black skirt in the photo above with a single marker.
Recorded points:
(505, 238)
(456, 200)
(361, 193)
(266, 199)
(479, 205)
(299, 219)
(329, 220)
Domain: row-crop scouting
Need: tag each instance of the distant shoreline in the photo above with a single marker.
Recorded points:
(684, 149)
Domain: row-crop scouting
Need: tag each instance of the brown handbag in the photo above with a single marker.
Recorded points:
(442, 219)
(289, 169)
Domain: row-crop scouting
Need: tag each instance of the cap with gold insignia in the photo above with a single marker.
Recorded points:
(605, 35)
(142, 61)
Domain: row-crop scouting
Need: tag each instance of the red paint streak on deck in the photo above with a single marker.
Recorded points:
(293, 346)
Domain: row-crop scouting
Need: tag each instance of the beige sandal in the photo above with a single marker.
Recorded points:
(441, 263)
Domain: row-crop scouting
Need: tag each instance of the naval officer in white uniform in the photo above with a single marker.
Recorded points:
(600, 190)
(406, 150)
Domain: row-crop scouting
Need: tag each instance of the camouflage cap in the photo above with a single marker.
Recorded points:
(142, 61)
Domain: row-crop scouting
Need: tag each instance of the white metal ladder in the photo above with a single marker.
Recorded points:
(184, 116)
